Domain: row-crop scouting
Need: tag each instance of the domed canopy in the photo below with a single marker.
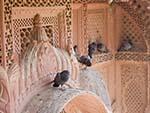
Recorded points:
(91, 80)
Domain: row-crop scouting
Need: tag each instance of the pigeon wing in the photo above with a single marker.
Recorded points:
(57, 78)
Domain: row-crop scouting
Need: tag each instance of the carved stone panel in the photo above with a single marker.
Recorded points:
(134, 88)
(95, 24)
(131, 31)
(29, 8)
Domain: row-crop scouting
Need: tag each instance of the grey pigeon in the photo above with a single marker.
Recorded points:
(61, 78)
(101, 48)
(92, 49)
(126, 45)
(85, 60)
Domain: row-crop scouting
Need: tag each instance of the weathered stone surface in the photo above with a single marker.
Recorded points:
(91, 80)
(54, 100)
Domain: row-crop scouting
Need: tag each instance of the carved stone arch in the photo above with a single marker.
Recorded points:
(86, 103)
(93, 81)
(57, 101)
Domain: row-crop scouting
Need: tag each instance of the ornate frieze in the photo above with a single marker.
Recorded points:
(127, 56)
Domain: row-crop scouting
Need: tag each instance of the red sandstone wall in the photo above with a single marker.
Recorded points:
(119, 68)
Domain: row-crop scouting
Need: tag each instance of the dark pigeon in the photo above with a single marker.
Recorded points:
(61, 78)
(92, 49)
(85, 60)
(101, 48)
(126, 45)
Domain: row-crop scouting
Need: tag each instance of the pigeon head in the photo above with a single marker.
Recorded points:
(99, 45)
(65, 75)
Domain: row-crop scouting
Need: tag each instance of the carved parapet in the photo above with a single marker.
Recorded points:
(98, 58)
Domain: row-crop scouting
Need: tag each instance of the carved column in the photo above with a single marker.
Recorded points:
(84, 24)
(8, 39)
(2, 36)
(111, 28)
(146, 35)
(68, 26)
(147, 110)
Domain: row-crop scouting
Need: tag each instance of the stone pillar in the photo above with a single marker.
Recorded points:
(147, 110)
(68, 17)
(2, 36)
(111, 28)
(84, 24)
(146, 36)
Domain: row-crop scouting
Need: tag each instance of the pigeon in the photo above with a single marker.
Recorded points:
(61, 78)
(76, 51)
(85, 60)
(101, 48)
(92, 49)
(126, 45)
(75, 48)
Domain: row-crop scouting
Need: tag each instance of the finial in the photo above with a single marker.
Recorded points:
(38, 34)
(37, 19)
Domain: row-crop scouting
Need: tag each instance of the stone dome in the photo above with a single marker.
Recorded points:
(91, 80)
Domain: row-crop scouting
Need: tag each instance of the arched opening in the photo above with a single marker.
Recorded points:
(54, 100)
(85, 103)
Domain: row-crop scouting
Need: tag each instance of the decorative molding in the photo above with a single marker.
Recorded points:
(29, 12)
(127, 56)
(98, 58)
(134, 87)
(88, 1)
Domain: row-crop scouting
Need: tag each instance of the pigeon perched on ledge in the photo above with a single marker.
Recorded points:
(61, 78)
(85, 60)
(101, 48)
(126, 45)
(92, 49)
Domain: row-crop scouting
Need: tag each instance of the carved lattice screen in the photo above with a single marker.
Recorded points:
(25, 37)
(95, 24)
(88, 1)
(22, 31)
(26, 9)
(131, 30)
(134, 83)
